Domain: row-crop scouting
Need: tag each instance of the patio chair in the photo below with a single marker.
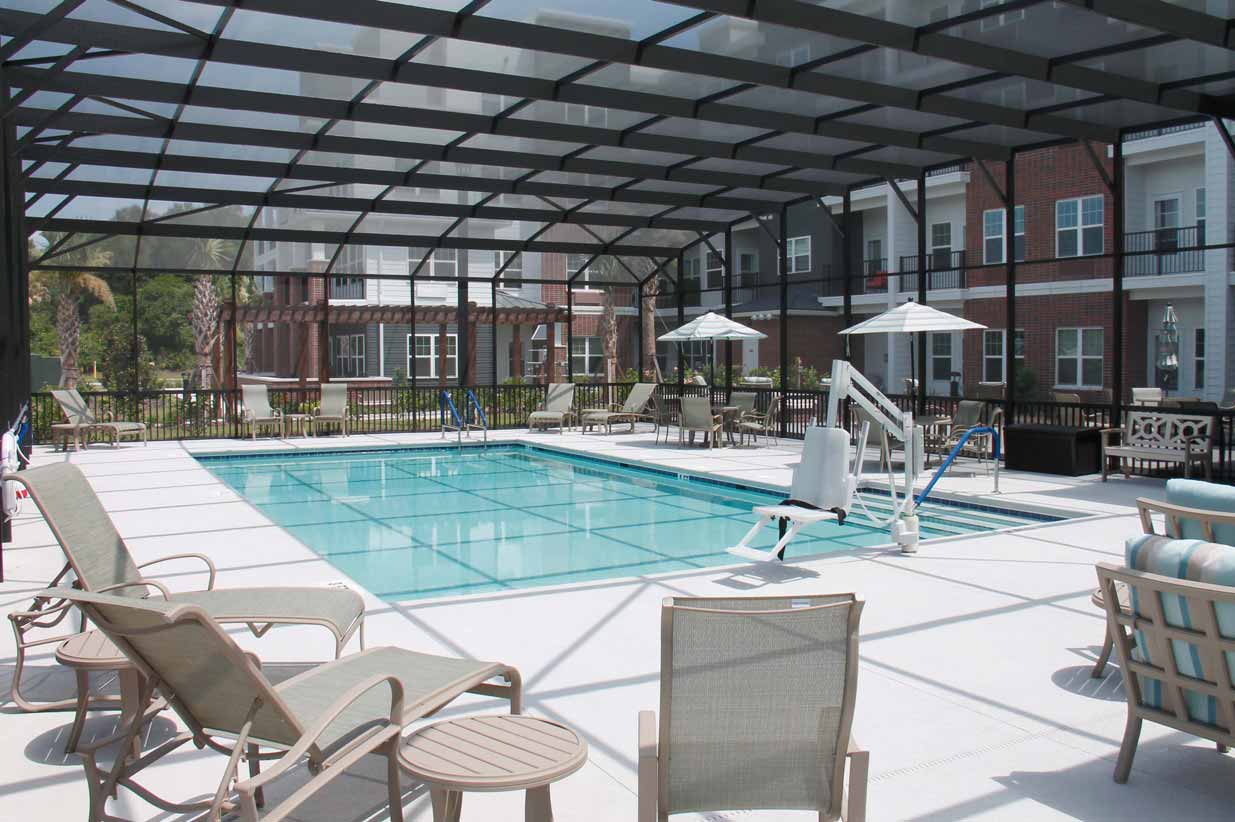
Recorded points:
(634, 409)
(1146, 396)
(557, 408)
(257, 410)
(333, 407)
(972, 414)
(753, 424)
(83, 420)
(329, 716)
(875, 431)
(100, 561)
(744, 401)
(697, 416)
(1175, 640)
(1192, 510)
(756, 709)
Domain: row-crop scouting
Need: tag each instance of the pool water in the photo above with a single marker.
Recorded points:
(417, 523)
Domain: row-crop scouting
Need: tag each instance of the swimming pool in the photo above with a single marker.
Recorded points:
(424, 522)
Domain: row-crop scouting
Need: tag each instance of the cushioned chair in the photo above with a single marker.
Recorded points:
(1176, 639)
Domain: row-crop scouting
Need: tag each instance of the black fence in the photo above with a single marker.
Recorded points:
(1167, 258)
(404, 409)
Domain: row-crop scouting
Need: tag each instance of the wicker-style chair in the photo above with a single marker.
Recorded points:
(756, 709)
(97, 556)
(330, 716)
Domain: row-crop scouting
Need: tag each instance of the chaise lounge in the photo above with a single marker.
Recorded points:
(100, 561)
(557, 408)
(81, 420)
(633, 410)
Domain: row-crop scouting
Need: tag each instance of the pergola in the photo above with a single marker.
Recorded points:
(629, 131)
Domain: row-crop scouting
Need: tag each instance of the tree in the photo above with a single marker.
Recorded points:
(609, 334)
(633, 270)
(65, 289)
(207, 253)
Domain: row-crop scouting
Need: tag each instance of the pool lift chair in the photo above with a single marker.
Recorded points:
(825, 482)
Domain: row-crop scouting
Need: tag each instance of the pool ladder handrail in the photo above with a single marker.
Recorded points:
(456, 422)
(956, 449)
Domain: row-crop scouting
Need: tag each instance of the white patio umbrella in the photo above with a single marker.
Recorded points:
(912, 318)
(712, 327)
(1168, 348)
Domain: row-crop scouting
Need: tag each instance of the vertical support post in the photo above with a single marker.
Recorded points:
(323, 343)
(14, 292)
(551, 348)
(847, 264)
(784, 320)
(462, 322)
(570, 331)
(681, 319)
(1117, 294)
(442, 337)
(639, 334)
(923, 272)
(1009, 342)
(728, 309)
(411, 323)
(493, 327)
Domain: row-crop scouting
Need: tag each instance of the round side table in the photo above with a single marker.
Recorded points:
(492, 753)
(93, 651)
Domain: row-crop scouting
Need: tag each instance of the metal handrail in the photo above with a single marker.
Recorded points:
(956, 449)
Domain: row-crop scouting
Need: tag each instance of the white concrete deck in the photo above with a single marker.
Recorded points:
(974, 699)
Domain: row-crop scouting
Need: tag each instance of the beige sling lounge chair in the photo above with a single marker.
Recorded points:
(83, 420)
(634, 409)
(330, 716)
(257, 410)
(557, 409)
(333, 407)
(697, 416)
(756, 709)
(100, 561)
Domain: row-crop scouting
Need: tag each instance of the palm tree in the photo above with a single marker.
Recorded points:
(207, 253)
(65, 288)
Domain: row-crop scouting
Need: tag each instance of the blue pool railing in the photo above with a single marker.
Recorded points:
(456, 422)
(956, 449)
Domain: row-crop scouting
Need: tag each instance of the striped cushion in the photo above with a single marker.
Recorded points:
(1207, 496)
(1194, 560)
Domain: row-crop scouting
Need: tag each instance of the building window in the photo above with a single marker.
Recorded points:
(578, 264)
(748, 269)
(941, 246)
(1078, 357)
(992, 352)
(1201, 212)
(587, 356)
(715, 271)
(426, 353)
(1198, 358)
(993, 235)
(1166, 223)
(1078, 227)
(347, 288)
(348, 351)
(798, 251)
(941, 356)
(444, 264)
(690, 274)
(512, 275)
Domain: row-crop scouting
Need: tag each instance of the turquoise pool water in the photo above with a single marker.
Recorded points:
(417, 523)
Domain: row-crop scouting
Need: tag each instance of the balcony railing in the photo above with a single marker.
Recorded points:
(1166, 259)
(874, 277)
(947, 270)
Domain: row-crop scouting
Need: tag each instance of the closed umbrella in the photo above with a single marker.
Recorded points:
(912, 318)
(1167, 360)
(712, 327)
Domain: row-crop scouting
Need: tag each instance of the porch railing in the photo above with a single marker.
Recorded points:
(1167, 258)
(946, 270)
(177, 415)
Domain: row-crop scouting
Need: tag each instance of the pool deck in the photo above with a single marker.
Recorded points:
(974, 696)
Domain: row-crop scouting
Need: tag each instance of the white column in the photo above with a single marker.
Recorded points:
(1219, 312)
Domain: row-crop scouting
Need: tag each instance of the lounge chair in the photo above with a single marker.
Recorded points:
(100, 561)
(697, 416)
(634, 409)
(331, 715)
(756, 709)
(557, 408)
(83, 420)
(1147, 396)
(824, 484)
(1175, 640)
(257, 410)
(753, 424)
(333, 407)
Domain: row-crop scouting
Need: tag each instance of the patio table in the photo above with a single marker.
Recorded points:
(91, 651)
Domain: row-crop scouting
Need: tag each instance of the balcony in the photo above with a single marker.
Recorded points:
(947, 270)
(874, 277)
(1174, 252)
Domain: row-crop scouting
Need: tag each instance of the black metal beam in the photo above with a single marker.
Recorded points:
(1170, 18)
(346, 174)
(900, 195)
(1009, 245)
(1117, 283)
(1001, 193)
(923, 268)
(1225, 134)
(35, 28)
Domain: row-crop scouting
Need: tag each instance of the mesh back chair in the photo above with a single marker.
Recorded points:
(756, 708)
(100, 561)
(1176, 649)
(333, 407)
(332, 714)
(257, 410)
(697, 416)
(83, 420)
(557, 408)
(633, 409)
(744, 401)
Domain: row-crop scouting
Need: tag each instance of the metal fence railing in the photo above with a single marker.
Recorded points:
(180, 415)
